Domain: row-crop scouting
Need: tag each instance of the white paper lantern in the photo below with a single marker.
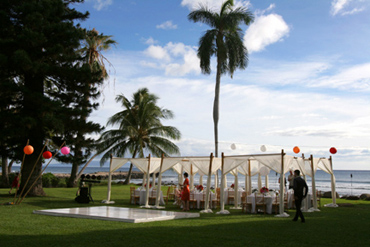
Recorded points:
(264, 171)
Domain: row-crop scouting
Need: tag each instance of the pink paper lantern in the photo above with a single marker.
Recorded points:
(65, 150)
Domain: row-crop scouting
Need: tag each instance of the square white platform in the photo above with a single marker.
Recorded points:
(132, 215)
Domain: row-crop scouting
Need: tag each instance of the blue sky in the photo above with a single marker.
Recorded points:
(307, 83)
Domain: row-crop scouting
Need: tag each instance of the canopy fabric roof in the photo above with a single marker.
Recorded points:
(248, 165)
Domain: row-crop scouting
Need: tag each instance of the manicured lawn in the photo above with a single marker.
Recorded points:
(343, 226)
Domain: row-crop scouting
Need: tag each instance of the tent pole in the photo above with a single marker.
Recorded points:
(159, 186)
(108, 201)
(333, 192)
(191, 177)
(206, 206)
(250, 178)
(147, 185)
(305, 179)
(314, 197)
(281, 206)
(222, 191)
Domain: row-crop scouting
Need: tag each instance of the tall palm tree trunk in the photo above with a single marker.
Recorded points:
(216, 105)
(128, 178)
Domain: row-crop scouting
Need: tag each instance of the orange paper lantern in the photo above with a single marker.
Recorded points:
(296, 149)
(47, 155)
(28, 149)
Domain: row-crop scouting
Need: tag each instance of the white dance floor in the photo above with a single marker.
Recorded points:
(132, 215)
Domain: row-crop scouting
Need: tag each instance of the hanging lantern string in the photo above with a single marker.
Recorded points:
(34, 166)
(41, 173)
(20, 172)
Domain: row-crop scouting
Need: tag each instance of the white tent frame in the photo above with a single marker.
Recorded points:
(279, 162)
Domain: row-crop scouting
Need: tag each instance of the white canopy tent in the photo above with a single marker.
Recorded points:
(192, 165)
(248, 165)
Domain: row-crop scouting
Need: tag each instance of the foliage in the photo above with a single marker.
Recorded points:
(225, 41)
(43, 78)
(139, 129)
(50, 180)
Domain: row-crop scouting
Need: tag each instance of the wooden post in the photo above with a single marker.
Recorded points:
(147, 184)
(222, 202)
(333, 192)
(159, 186)
(281, 208)
(314, 198)
(206, 206)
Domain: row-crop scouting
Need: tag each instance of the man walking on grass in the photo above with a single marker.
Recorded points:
(298, 185)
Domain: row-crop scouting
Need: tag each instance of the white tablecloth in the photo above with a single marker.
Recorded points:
(198, 196)
(291, 197)
(142, 195)
(226, 194)
(269, 199)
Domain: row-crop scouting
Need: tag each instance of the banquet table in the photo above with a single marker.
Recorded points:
(269, 199)
(142, 195)
(307, 199)
(198, 196)
(226, 194)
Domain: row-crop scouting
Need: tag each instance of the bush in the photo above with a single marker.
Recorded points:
(50, 180)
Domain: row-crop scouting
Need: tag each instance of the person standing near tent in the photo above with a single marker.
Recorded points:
(15, 182)
(185, 194)
(298, 185)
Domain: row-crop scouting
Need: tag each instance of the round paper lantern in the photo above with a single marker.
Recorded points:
(233, 146)
(65, 150)
(28, 149)
(333, 150)
(264, 171)
(47, 155)
(296, 149)
(263, 148)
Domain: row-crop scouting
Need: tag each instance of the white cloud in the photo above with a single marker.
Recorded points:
(184, 58)
(355, 78)
(167, 25)
(264, 31)
(150, 41)
(348, 7)
(100, 4)
(157, 52)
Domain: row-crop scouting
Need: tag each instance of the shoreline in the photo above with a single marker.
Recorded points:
(104, 175)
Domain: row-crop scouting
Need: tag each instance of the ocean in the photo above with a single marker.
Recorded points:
(348, 182)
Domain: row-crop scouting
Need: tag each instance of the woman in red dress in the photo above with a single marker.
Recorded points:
(185, 195)
(15, 182)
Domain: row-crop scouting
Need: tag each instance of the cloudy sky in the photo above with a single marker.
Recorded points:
(307, 83)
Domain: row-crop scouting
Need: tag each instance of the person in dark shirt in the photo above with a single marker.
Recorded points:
(298, 186)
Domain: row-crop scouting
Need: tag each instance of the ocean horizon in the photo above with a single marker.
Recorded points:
(348, 182)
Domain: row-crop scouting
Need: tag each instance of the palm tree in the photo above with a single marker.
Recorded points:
(92, 47)
(225, 41)
(91, 51)
(139, 129)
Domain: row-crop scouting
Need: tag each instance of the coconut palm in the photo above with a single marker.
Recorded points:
(225, 41)
(92, 47)
(139, 129)
(91, 50)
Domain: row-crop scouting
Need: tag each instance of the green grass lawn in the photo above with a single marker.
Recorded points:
(343, 226)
